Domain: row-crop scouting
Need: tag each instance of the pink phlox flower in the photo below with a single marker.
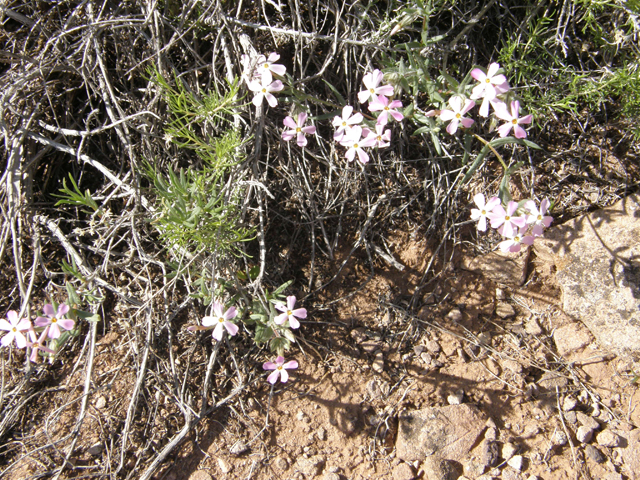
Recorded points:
(263, 89)
(513, 244)
(266, 67)
(37, 344)
(538, 218)
(16, 327)
(290, 313)
(504, 220)
(346, 122)
(355, 144)
(386, 108)
(55, 320)
(371, 82)
(221, 320)
(490, 86)
(279, 369)
(297, 129)
(456, 114)
(381, 136)
(512, 119)
(483, 210)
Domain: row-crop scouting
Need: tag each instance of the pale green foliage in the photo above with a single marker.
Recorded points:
(199, 208)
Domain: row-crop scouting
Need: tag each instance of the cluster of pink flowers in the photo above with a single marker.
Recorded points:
(24, 333)
(350, 134)
(220, 322)
(261, 80)
(519, 225)
(493, 89)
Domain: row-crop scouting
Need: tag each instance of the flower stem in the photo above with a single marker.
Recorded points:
(504, 165)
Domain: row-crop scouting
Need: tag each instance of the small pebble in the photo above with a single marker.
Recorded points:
(454, 316)
(516, 462)
(584, 434)
(571, 417)
(433, 346)
(484, 338)
(378, 363)
(101, 402)
(607, 438)
(224, 466)
(569, 404)
(594, 454)
(238, 448)
(321, 433)
(505, 310)
(508, 450)
(559, 439)
(456, 398)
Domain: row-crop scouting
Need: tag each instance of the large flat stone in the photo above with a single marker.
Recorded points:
(448, 432)
(597, 260)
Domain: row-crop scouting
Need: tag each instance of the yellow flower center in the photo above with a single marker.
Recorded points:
(516, 239)
(483, 212)
(289, 312)
(344, 124)
(379, 138)
(386, 108)
(539, 218)
(488, 80)
(372, 90)
(458, 115)
(298, 129)
(266, 65)
(220, 320)
(355, 145)
(507, 218)
(54, 320)
(514, 121)
(14, 329)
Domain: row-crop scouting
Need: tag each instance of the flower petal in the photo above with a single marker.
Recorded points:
(269, 366)
(290, 122)
(273, 377)
(290, 365)
(63, 309)
(217, 332)
(66, 323)
(230, 313)
(280, 319)
(293, 322)
(232, 328)
(300, 312)
(48, 310)
(284, 376)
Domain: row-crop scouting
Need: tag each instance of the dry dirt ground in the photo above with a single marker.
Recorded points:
(365, 362)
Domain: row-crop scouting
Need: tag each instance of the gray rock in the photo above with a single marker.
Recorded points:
(516, 462)
(607, 438)
(508, 450)
(551, 380)
(403, 471)
(587, 421)
(594, 454)
(449, 431)
(505, 310)
(571, 417)
(378, 363)
(502, 268)
(584, 434)
(600, 289)
(95, 450)
(239, 448)
(281, 463)
(489, 453)
(311, 466)
(321, 433)
(435, 468)
(571, 337)
(456, 398)
(532, 327)
(569, 403)
(559, 439)
(433, 346)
